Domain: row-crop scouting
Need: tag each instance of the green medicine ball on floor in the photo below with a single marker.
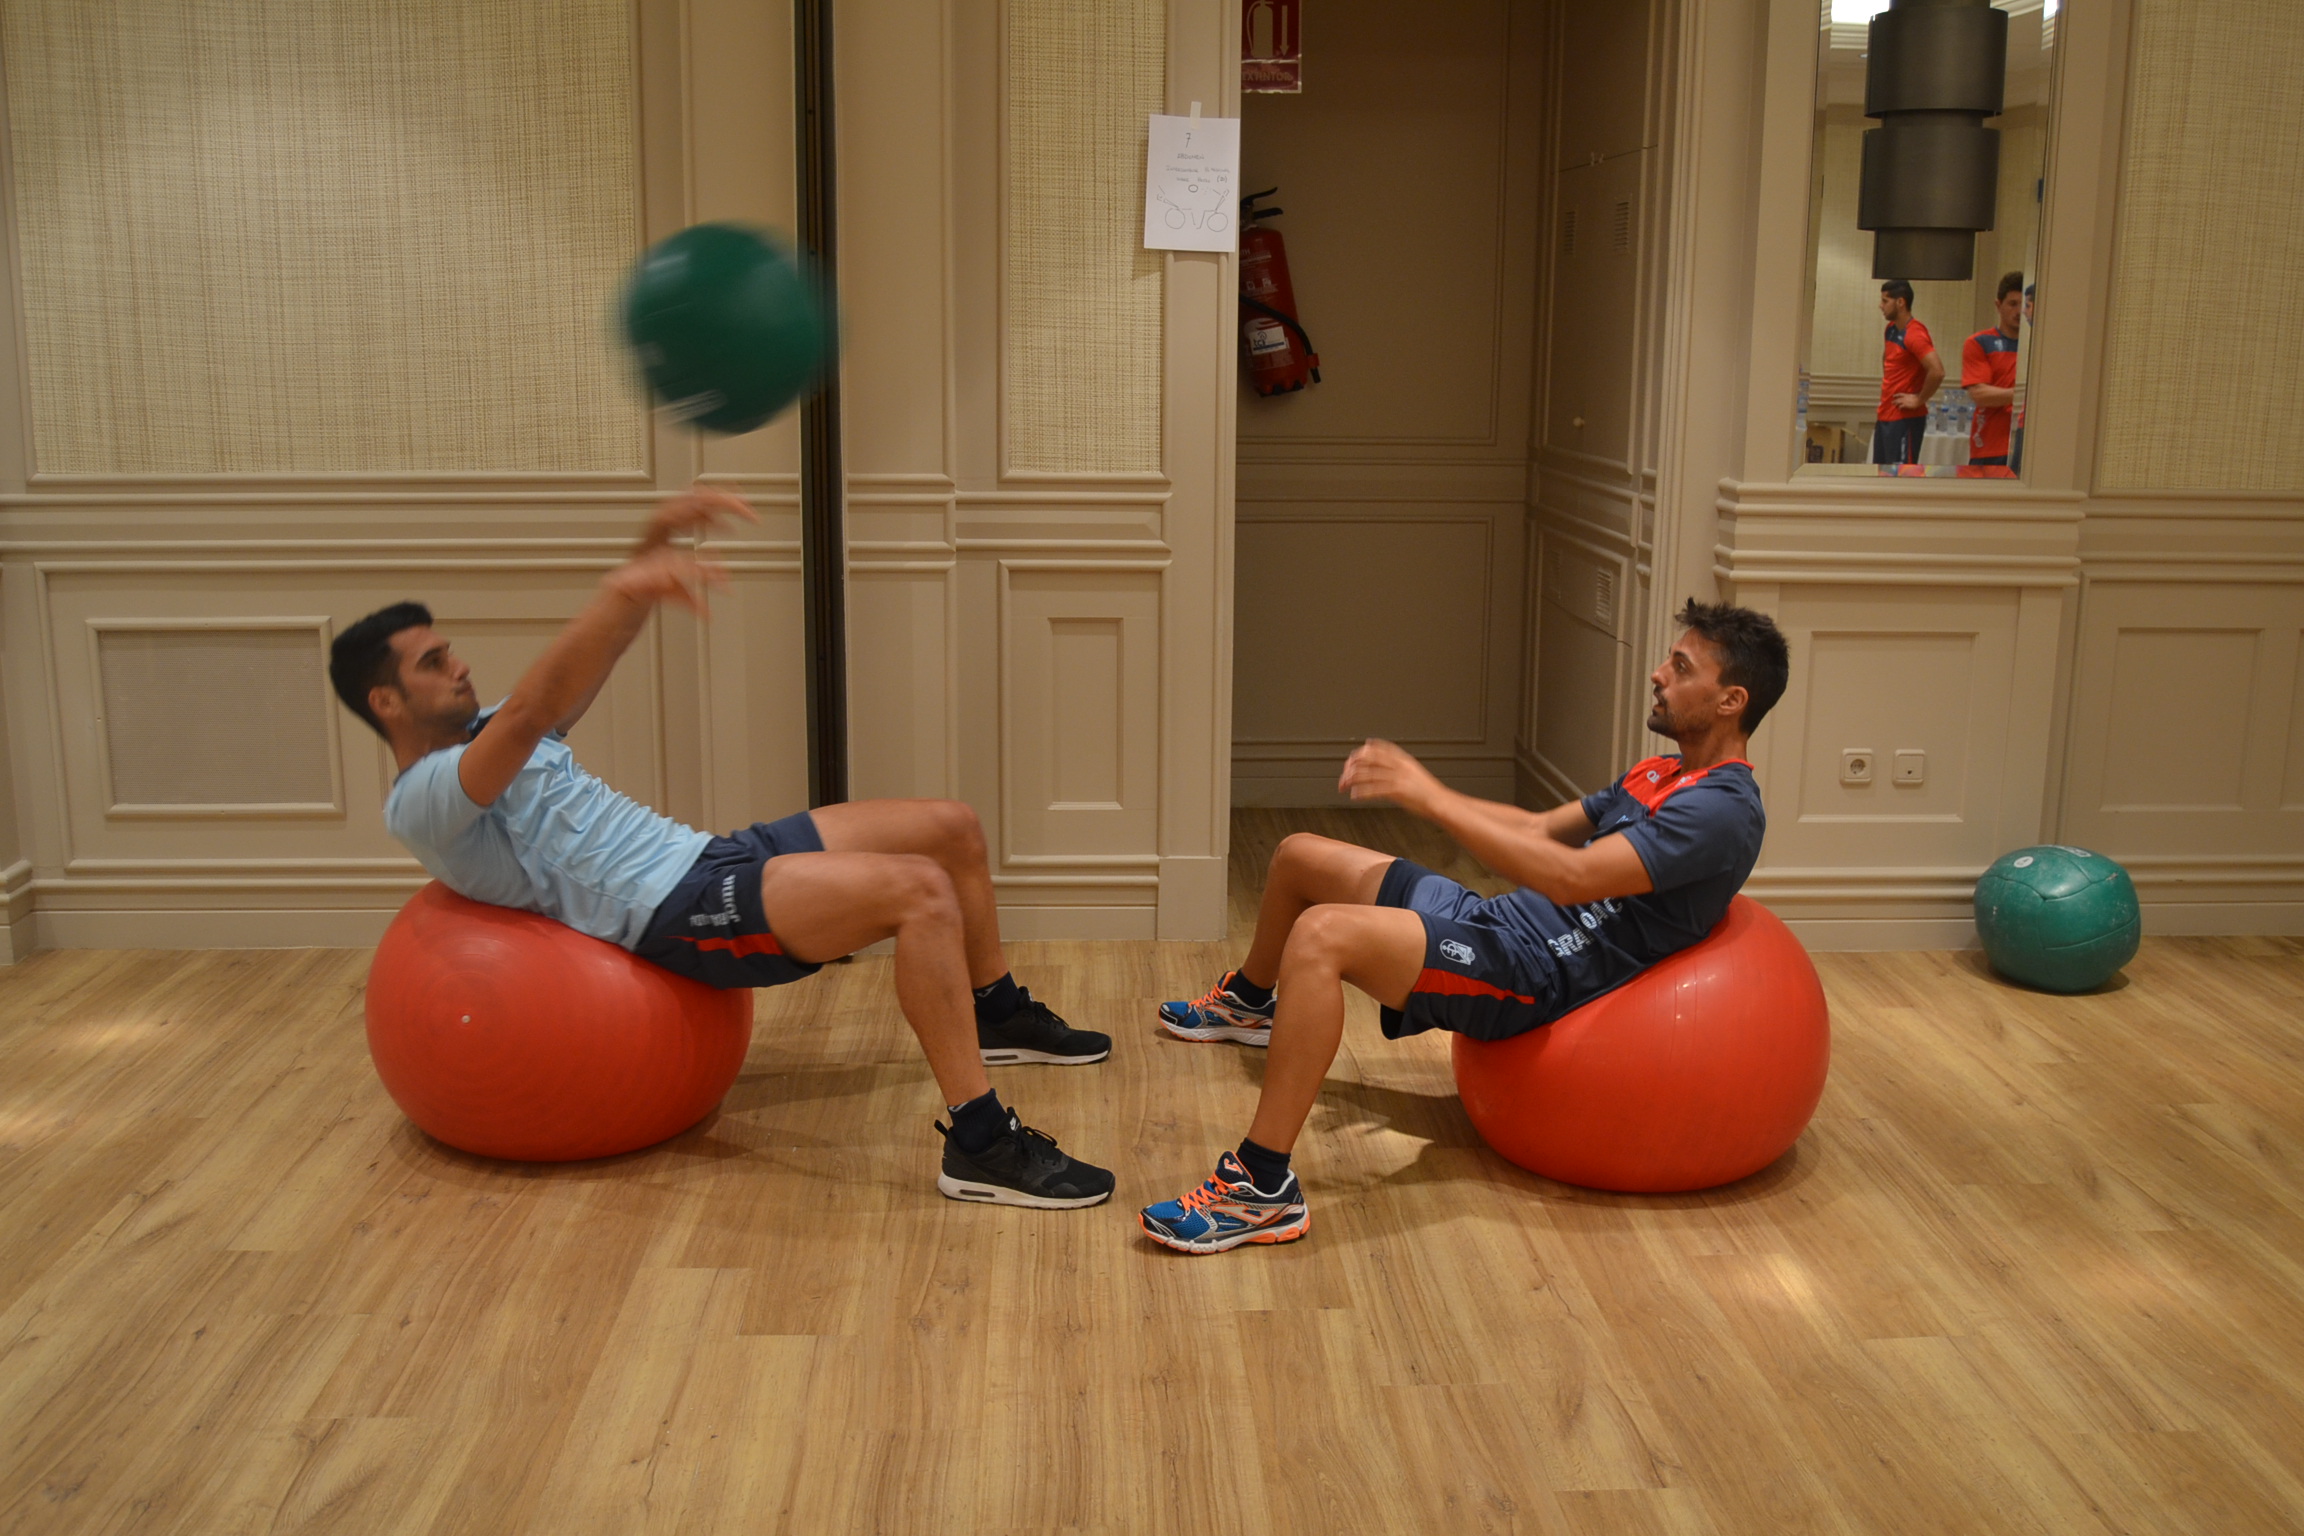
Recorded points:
(728, 328)
(2061, 919)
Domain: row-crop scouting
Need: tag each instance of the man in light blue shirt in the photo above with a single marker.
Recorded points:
(494, 804)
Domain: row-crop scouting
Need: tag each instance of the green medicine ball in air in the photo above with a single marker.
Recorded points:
(2061, 919)
(728, 328)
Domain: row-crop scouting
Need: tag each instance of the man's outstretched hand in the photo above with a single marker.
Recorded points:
(1379, 770)
(693, 511)
(664, 574)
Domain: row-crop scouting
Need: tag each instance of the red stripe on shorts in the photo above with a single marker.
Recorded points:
(1449, 984)
(741, 945)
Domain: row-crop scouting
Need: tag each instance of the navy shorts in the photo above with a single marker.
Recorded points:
(1481, 977)
(1898, 442)
(711, 928)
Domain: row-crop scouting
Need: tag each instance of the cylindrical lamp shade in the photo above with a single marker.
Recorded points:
(1936, 69)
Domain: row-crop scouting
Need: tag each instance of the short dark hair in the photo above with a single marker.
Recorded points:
(1897, 288)
(362, 658)
(2010, 282)
(1753, 654)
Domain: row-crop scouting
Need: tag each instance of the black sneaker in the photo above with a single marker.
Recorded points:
(1023, 1167)
(1034, 1033)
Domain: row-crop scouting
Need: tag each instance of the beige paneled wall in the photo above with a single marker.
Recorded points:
(277, 237)
(1082, 307)
(2210, 238)
(354, 281)
(2107, 653)
(15, 869)
(1846, 339)
(896, 234)
(1045, 642)
(1590, 512)
(1038, 451)
(1380, 544)
(315, 315)
(2186, 715)
(1846, 335)
(1926, 617)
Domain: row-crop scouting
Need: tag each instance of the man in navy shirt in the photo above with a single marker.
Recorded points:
(1609, 885)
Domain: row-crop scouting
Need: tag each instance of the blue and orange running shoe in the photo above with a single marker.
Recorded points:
(1227, 1211)
(1221, 1015)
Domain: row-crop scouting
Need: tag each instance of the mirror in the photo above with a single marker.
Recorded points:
(1869, 404)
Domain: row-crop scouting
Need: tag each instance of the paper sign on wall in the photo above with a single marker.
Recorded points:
(1192, 184)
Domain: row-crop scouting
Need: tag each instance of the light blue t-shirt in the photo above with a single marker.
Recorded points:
(557, 841)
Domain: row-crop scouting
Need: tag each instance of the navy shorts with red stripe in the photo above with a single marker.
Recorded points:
(1482, 977)
(712, 927)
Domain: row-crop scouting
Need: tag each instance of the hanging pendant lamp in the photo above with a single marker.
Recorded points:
(1935, 70)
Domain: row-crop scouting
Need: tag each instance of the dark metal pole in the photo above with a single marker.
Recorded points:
(823, 499)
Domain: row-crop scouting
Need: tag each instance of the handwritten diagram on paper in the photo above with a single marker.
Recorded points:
(1192, 184)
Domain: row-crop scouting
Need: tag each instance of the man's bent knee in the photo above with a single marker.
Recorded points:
(1377, 949)
(959, 830)
(1326, 935)
(920, 888)
(1297, 848)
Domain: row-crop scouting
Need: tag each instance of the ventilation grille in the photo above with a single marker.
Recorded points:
(1582, 586)
(1567, 232)
(215, 717)
(1621, 234)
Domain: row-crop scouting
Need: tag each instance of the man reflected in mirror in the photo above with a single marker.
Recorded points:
(1988, 373)
(1910, 372)
(2016, 438)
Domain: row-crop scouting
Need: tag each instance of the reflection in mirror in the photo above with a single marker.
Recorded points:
(1905, 373)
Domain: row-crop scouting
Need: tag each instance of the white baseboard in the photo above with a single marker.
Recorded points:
(214, 928)
(1194, 899)
(360, 928)
(17, 936)
(1825, 935)
(2176, 918)
(1031, 923)
(1296, 791)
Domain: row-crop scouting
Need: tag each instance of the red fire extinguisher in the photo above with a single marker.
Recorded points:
(1272, 341)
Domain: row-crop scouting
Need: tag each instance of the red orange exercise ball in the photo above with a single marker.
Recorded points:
(511, 1035)
(1702, 1070)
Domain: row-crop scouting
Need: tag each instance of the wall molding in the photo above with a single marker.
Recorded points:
(1869, 496)
(1856, 568)
(1408, 482)
(1489, 776)
(1558, 788)
(2193, 568)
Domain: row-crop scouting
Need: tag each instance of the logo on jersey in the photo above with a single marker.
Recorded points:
(1459, 952)
(727, 913)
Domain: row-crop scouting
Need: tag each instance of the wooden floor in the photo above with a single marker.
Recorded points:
(2038, 1265)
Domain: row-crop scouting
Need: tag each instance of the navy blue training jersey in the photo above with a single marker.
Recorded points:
(1697, 833)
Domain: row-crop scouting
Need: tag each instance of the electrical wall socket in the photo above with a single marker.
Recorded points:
(1856, 765)
(1911, 767)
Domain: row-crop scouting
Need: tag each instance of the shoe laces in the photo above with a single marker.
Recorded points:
(1031, 1140)
(1206, 1195)
(1216, 992)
